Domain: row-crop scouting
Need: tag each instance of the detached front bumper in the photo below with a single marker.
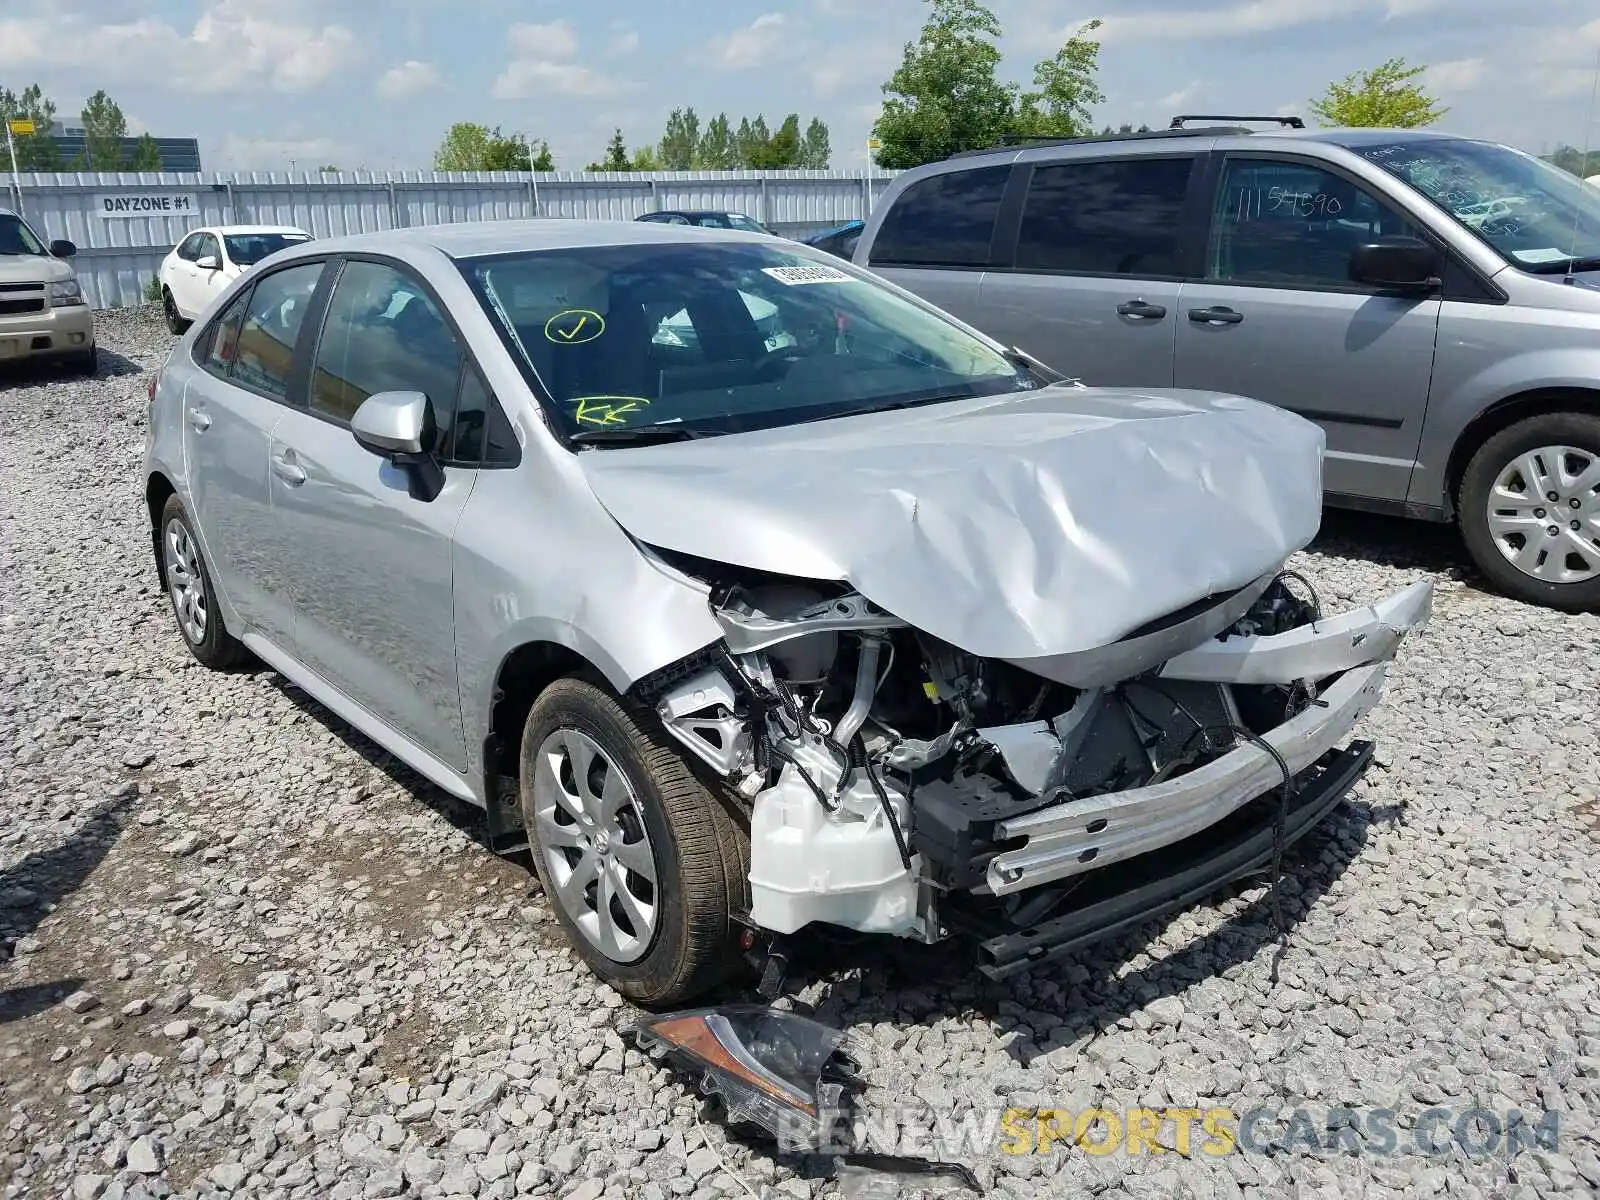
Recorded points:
(1083, 835)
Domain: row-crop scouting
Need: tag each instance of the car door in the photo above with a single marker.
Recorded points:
(1276, 317)
(936, 237)
(209, 283)
(231, 407)
(373, 573)
(1091, 287)
(180, 274)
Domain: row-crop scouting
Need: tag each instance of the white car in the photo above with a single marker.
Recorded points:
(201, 267)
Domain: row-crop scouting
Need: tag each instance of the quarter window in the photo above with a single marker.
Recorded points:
(1121, 217)
(1292, 224)
(383, 334)
(188, 249)
(273, 316)
(946, 220)
(479, 432)
(219, 346)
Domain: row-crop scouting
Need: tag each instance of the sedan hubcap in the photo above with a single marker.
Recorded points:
(1544, 514)
(597, 854)
(185, 583)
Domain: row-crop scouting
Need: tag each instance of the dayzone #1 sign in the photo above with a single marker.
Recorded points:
(145, 204)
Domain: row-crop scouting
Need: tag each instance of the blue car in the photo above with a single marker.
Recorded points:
(840, 240)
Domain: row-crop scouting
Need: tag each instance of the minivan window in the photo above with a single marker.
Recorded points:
(17, 238)
(722, 336)
(382, 334)
(945, 220)
(1532, 213)
(1292, 224)
(272, 321)
(1118, 217)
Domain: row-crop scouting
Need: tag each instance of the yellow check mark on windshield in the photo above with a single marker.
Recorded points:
(569, 334)
(574, 327)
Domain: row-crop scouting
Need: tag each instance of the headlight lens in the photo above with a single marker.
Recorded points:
(66, 292)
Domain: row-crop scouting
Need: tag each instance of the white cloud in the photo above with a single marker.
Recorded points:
(267, 154)
(556, 40)
(407, 79)
(1173, 101)
(1395, 9)
(1457, 75)
(230, 48)
(751, 46)
(624, 39)
(1255, 16)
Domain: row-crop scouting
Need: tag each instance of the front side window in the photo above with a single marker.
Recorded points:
(1533, 214)
(1120, 217)
(719, 337)
(1292, 224)
(276, 310)
(946, 220)
(207, 246)
(189, 248)
(382, 334)
(16, 238)
(247, 249)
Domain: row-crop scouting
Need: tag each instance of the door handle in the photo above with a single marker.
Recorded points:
(1217, 314)
(286, 470)
(1141, 309)
(199, 419)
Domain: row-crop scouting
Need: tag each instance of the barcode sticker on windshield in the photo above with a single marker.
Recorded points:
(817, 274)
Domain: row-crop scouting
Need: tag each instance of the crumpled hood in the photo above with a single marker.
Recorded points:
(1019, 526)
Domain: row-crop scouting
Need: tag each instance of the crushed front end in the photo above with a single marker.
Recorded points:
(900, 785)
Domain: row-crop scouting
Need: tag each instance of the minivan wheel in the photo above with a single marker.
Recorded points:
(1529, 510)
(188, 584)
(169, 308)
(642, 864)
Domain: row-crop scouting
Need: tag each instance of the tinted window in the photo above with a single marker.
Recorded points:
(273, 316)
(944, 220)
(382, 334)
(218, 347)
(479, 431)
(1105, 218)
(1292, 224)
(17, 238)
(188, 248)
(206, 245)
(247, 249)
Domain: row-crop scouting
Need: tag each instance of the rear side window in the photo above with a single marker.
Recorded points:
(273, 316)
(1120, 217)
(217, 348)
(945, 220)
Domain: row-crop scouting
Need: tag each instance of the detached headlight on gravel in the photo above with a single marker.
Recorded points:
(65, 293)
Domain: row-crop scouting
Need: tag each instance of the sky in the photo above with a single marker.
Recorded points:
(274, 84)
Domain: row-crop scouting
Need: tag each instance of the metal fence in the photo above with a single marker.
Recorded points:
(124, 223)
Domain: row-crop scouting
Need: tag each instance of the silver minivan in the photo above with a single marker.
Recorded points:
(1433, 302)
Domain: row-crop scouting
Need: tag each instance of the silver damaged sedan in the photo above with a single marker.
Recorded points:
(750, 593)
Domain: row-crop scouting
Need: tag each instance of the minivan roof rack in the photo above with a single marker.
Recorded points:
(1286, 122)
(1012, 141)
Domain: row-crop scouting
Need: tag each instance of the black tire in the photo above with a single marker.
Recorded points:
(702, 847)
(169, 309)
(86, 362)
(216, 648)
(1580, 431)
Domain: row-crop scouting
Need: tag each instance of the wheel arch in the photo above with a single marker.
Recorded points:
(157, 490)
(1503, 414)
(525, 671)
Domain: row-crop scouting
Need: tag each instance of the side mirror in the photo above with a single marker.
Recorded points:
(1399, 262)
(400, 426)
(61, 248)
(208, 262)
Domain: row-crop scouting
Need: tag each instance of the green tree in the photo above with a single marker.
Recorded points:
(147, 155)
(1108, 131)
(945, 95)
(717, 151)
(1570, 158)
(616, 156)
(749, 140)
(780, 151)
(814, 150)
(471, 147)
(36, 151)
(646, 158)
(1387, 96)
(1066, 90)
(104, 128)
(680, 144)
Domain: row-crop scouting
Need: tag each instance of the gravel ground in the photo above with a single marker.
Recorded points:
(242, 951)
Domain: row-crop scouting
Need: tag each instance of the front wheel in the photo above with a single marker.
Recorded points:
(641, 862)
(1529, 510)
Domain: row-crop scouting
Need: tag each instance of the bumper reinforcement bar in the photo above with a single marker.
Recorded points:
(1179, 875)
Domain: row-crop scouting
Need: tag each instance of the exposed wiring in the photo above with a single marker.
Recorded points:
(859, 754)
(722, 1162)
(1316, 600)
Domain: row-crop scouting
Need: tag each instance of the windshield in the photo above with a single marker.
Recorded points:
(719, 337)
(1535, 215)
(17, 238)
(247, 249)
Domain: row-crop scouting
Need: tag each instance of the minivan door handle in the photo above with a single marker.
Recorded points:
(199, 419)
(284, 468)
(1142, 309)
(1217, 314)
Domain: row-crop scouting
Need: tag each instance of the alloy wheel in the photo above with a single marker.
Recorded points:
(186, 584)
(597, 852)
(1544, 514)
